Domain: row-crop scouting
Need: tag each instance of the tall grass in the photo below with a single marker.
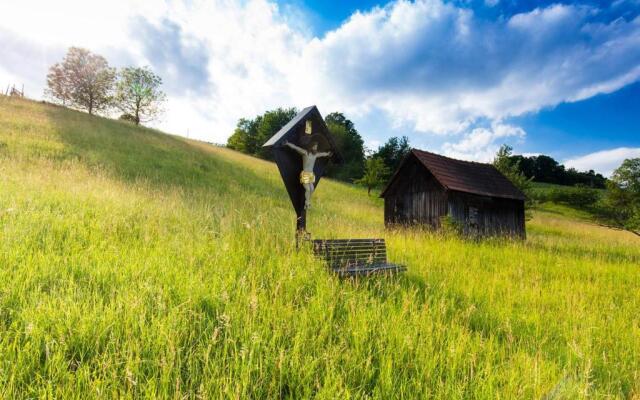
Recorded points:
(137, 264)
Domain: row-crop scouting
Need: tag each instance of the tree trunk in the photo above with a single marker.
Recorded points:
(368, 190)
(138, 111)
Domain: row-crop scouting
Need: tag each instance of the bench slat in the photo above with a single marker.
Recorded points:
(348, 251)
(343, 248)
(350, 245)
(349, 257)
(348, 240)
(370, 269)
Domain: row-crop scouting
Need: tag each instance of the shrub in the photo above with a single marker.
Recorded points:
(577, 196)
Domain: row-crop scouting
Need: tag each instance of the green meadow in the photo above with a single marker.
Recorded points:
(135, 264)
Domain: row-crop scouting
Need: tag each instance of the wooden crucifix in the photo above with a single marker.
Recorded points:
(302, 150)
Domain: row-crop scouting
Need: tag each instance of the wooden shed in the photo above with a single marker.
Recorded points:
(428, 187)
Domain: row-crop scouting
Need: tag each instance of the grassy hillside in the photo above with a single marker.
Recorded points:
(137, 264)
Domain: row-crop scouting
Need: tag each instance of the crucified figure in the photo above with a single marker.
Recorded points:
(307, 178)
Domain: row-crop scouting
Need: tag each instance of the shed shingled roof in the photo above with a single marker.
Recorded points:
(464, 176)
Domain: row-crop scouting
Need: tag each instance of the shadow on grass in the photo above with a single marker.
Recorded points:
(142, 156)
(138, 154)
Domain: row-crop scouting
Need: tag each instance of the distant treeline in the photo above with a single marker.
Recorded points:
(545, 169)
(618, 205)
(374, 167)
(251, 134)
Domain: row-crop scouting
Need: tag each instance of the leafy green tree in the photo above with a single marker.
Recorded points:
(270, 123)
(504, 163)
(83, 80)
(251, 134)
(375, 173)
(244, 137)
(545, 169)
(350, 145)
(58, 85)
(138, 94)
(548, 170)
(621, 204)
(392, 153)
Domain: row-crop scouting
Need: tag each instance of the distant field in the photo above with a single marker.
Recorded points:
(138, 264)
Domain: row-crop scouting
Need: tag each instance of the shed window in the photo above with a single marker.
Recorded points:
(473, 216)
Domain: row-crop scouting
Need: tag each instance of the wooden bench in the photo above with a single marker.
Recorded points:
(353, 257)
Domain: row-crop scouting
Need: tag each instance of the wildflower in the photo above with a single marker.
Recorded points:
(224, 320)
(130, 379)
(253, 303)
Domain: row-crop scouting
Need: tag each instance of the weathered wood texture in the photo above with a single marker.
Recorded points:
(289, 162)
(416, 199)
(415, 196)
(351, 257)
(487, 216)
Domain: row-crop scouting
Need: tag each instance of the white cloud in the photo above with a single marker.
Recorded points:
(481, 144)
(220, 60)
(442, 68)
(605, 161)
(427, 66)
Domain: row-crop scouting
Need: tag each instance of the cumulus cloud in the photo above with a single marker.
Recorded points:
(180, 59)
(430, 67)
(442, 68)
(481, 144)
(220, 60)
(605, 161)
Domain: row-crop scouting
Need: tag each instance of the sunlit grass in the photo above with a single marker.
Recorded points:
(136, 264)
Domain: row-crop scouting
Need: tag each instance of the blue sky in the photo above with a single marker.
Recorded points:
(456, 77)
(604, 121)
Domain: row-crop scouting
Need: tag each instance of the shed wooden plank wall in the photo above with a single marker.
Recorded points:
(416, 199)
(492, 217)
(415, 196)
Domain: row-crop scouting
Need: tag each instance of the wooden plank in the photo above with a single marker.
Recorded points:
(347, 240)
(370, 270)
(352, 251)
(356, 247)
(361, 244)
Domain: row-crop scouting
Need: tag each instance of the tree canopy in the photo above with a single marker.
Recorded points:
(138, 94)
(350, 145)
(392, 153)
(542, 168)
(374, 174)
(82, 80)
(621, 205)
(509, 166)
(251, 134)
